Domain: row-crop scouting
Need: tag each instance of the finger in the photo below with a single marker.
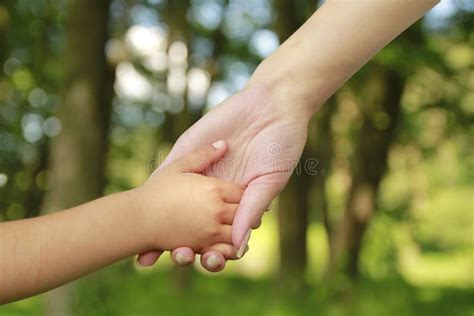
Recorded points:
(213, 261)
(258, 223)
(231, 192)
(148, 258)
(184, 146)
(225, 234)
(229, 213)
(258, 195)
(176, 153)
(227, 250)
(269, 207)
(199, 160)
(182, 256)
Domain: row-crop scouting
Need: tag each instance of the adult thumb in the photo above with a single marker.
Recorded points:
(256, 199)
(201, 159)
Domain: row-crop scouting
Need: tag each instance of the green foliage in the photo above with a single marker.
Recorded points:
(379, 256)
(118, 291)
(417, 254)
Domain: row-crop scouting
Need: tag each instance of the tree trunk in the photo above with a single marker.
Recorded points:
(294, 203)
(176, 12)
(293, 200)
(293, 223)
(381, 114)
(175, 124)
(78, 152)
(5, 18)
(320, 138)
(41, 56)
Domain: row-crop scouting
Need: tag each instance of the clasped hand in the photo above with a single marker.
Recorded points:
(265, 143)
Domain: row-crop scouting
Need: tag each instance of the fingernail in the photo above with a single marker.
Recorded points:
(244, 244)
(181, 259)
(213, 262)
(219, 144)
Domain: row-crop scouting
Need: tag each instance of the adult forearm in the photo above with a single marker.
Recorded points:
(331, 46)
(42, 253)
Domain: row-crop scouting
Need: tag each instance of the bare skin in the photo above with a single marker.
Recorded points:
(273, 110)
(40, 254)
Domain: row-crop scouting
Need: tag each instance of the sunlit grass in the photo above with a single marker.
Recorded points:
(119, 291)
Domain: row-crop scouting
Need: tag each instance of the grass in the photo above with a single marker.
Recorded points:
(119, 290)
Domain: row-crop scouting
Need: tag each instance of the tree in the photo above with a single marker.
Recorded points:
(78, 153)
(293, 205)
(175, 124)
(42, 54)
(381, 113)
(4, 25)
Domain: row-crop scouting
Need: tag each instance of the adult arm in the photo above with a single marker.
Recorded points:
(335, 42)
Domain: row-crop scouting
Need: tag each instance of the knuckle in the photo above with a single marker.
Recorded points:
(217, 215)
(216, 233)
(227, 252)
(214, 188)
(220, 214)
(238, 188)
(212, 230)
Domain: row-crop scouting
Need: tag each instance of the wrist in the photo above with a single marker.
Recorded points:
(289, 96)
(138, 218)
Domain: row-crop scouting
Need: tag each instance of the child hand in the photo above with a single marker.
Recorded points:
(181, 207)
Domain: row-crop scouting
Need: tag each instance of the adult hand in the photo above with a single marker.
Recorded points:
(265, 141)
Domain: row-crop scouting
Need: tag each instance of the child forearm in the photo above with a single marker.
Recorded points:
(175, 207)
(42, 253)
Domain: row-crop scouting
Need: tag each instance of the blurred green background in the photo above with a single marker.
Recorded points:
(384, 224)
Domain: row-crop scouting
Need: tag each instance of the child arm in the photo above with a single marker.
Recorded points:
(175, 207)
(42, 253)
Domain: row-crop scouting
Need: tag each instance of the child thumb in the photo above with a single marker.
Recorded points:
(200, 159)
